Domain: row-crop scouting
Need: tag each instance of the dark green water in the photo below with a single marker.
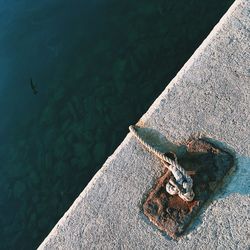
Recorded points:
(98, 65)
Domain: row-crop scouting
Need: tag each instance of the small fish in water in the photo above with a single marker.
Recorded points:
(33, 87)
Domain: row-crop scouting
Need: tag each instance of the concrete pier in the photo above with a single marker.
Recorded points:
(210, 96)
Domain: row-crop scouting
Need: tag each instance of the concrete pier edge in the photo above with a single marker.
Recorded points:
(210, 95)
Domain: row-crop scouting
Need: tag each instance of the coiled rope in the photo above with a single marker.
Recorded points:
(183, 183)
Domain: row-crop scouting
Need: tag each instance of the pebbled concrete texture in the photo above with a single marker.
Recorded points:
(210, 96)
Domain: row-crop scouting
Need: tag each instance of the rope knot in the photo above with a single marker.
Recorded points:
(182, 183)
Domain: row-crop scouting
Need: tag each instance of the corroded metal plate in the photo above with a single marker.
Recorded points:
(208, 166)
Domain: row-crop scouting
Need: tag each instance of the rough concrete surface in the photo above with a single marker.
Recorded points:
(210, 96)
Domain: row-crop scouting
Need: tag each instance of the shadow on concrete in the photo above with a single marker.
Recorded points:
(238, 181)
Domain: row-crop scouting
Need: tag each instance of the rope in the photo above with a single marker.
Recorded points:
(182, 185)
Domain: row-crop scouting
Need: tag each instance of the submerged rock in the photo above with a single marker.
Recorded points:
(59, 94)
(59, 168)
(34, 178)
(99, 151)
(18, 189)
(60, 147)
(79, 149)
(47, 115)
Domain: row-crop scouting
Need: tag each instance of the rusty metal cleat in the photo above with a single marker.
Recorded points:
(208, 166)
